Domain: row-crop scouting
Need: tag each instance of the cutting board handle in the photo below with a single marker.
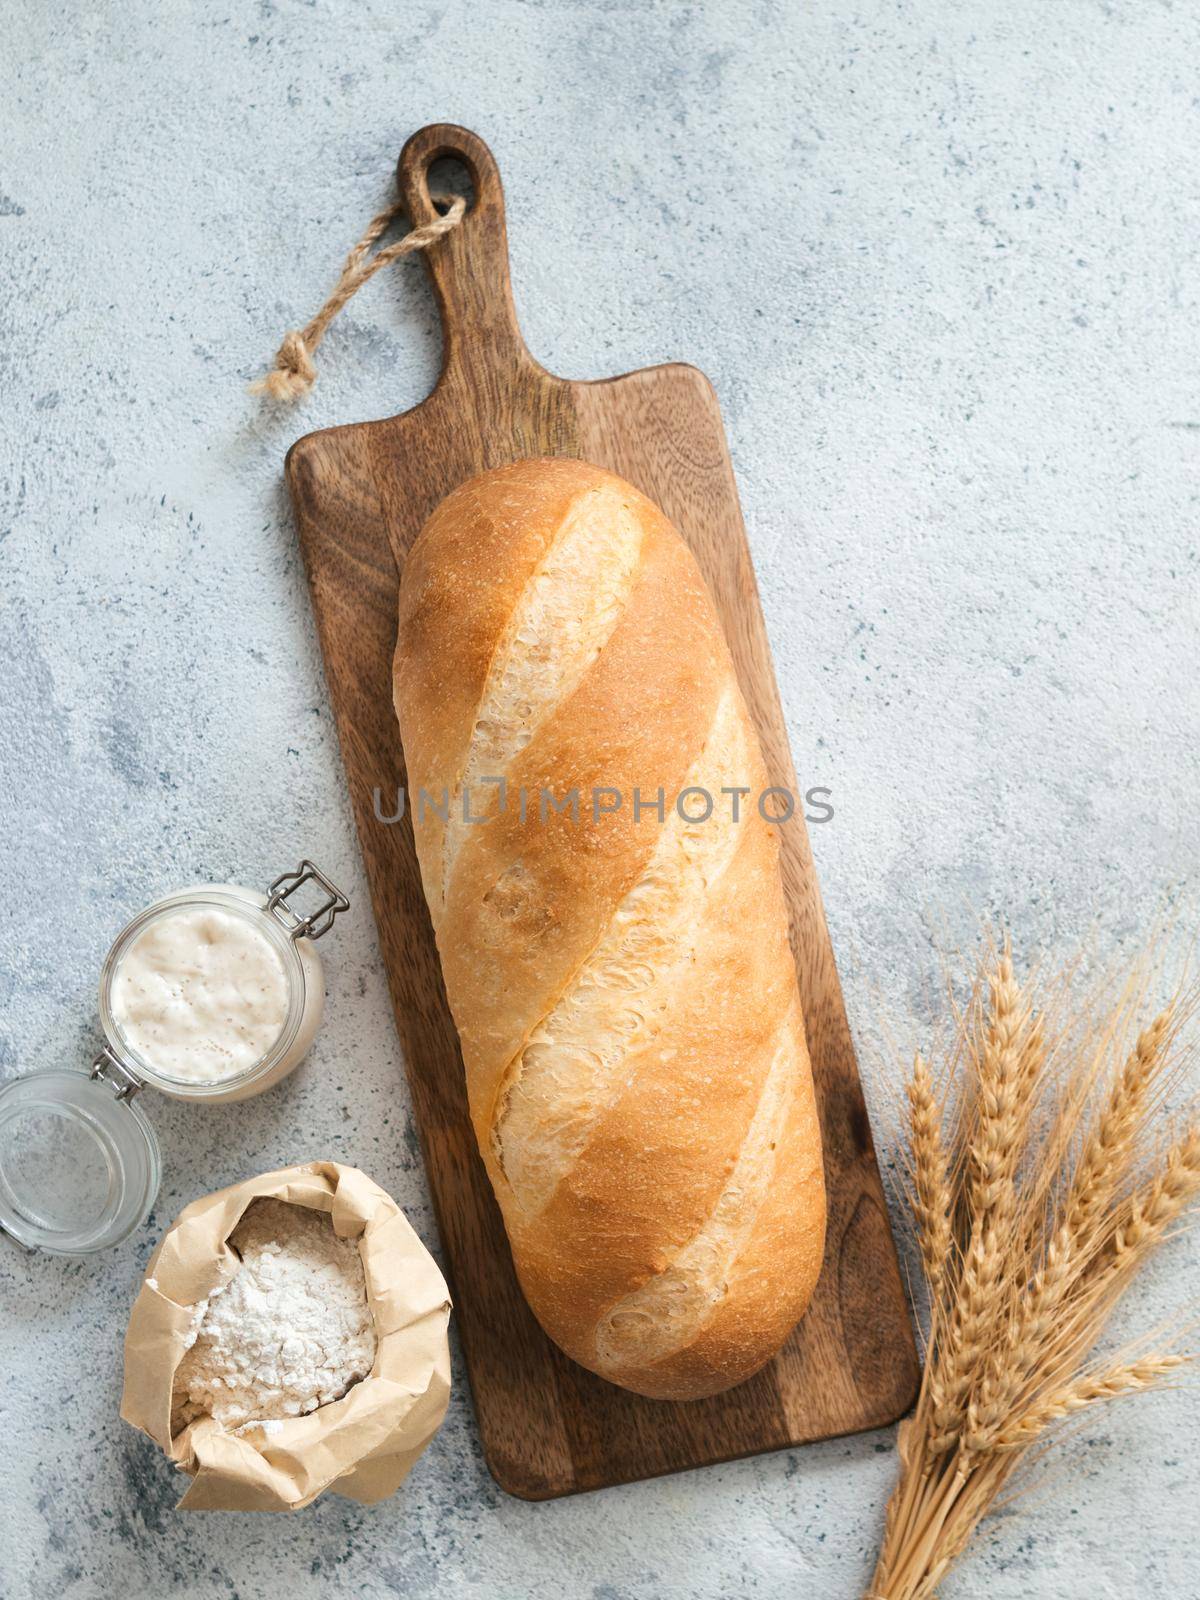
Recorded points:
(469, 266)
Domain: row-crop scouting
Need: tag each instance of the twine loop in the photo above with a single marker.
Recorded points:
(294, 372)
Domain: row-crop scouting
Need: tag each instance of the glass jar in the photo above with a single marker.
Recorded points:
(79, 1162)
(288, 936)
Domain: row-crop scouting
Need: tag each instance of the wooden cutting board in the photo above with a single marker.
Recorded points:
(361, 494)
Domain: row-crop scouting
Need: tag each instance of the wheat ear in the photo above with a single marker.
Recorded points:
(991, 1198)
(931, 1177)
(1124, 1378)
(1145, 1217)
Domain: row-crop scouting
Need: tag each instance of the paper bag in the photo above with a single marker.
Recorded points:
(362, 1445)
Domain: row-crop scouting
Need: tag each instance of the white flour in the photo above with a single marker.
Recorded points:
(289, 1332)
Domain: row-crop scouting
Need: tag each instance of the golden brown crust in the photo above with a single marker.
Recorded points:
(624, 728)
(455, 598)
(693, 1149)
(776, 1275)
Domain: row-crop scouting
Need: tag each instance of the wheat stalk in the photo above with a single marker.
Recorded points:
(1027, 1239)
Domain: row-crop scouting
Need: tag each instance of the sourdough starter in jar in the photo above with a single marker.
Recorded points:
(202, 994)
(215, 993)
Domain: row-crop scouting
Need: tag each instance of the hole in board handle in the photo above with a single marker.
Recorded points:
(450, 175)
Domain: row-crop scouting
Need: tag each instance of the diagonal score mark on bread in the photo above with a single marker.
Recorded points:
(558, 628)
(570, 1071)
(666, 1313)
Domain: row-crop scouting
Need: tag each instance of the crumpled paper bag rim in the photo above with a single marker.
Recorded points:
(362, 1445)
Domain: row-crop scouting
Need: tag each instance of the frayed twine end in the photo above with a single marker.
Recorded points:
(293, 374)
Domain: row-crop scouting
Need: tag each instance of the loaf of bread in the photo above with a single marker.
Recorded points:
(619, 970)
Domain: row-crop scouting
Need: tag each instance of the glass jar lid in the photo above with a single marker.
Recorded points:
(79, 1162)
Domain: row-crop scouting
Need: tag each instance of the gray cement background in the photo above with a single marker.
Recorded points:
(941, 263)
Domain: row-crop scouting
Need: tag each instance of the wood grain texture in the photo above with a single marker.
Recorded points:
(361, 494)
